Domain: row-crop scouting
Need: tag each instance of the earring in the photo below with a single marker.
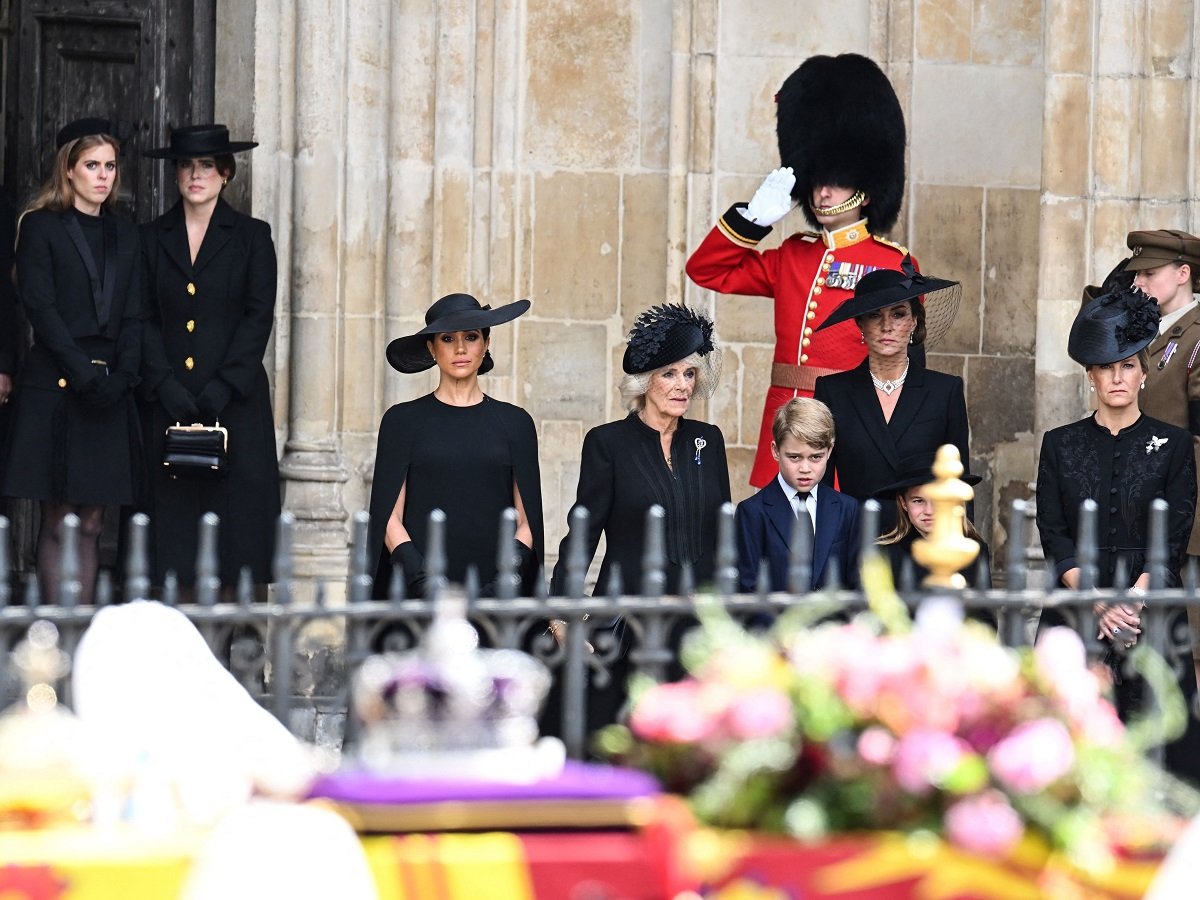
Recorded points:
(862, 338)
(1143, 385)
(910, 338)
(224, 181)
(1091, 387)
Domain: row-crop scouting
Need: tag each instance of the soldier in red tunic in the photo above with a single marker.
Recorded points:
(841, 142)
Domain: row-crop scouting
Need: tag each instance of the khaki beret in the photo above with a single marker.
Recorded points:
(1152, 249)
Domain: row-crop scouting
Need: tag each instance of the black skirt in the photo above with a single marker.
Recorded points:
(61, 451)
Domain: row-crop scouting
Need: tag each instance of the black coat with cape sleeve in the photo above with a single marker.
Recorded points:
(462, 460)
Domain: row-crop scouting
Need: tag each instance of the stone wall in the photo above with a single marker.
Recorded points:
(575, 151)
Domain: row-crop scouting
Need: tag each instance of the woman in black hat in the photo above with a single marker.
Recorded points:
(212, 280)
(1118, 457)
(457, 450)
(656, 455)
(914, 520)
(890, 406)
(74, 444)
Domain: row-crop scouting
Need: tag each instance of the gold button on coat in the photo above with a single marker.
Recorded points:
(812, 313)
(62, 382)
(803, 357)
(191, 325)
(191, 289)
(189, 364)
(816, 290)
(807, 332)
(806, 342)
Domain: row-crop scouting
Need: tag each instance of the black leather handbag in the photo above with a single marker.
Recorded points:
(192, 451)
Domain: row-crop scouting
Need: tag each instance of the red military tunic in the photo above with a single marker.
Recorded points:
(809, 276)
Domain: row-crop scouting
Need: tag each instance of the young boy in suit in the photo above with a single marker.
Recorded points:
(803, 436)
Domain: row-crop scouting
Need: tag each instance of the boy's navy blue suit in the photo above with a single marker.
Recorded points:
(764, 528)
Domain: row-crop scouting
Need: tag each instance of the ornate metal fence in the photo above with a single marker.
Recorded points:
(297, 651)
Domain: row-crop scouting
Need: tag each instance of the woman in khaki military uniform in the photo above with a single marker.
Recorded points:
(1166, 265)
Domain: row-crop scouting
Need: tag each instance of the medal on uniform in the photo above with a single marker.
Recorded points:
(845, 275)
(1172, 346)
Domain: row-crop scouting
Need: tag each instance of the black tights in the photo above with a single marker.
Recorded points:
(50, 549)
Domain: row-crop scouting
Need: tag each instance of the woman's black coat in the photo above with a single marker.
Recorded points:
(216, 313)
(62, 446)
(1124, 473)
(622, 474)
(868, 450)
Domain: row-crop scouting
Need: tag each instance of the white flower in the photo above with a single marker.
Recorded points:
(1154, 443)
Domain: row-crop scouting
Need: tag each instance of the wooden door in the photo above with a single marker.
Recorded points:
(145, 63)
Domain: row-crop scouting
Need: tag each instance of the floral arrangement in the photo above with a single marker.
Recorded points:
(875, 723)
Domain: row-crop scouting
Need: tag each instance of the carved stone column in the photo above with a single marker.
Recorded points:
(313, 469)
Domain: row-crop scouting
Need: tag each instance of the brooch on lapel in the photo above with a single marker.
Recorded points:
(1155, 443)
(701, 443)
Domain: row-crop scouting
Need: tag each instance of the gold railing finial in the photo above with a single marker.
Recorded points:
(947, 549)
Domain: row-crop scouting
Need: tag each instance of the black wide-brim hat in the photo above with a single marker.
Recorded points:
(195, 141)
(454, 312)
(1113, 327)
(887, 287)
(916, 470)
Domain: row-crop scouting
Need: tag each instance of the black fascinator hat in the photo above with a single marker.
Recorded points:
(1113, 327)
(454, 312)
(887, 287)
(665, 334)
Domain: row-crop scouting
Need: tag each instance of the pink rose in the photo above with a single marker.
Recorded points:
(984, 823)
(877, 746)
(1060, 655)
(925, 757)
(759, 713)
(1033, 756)
(672, 714)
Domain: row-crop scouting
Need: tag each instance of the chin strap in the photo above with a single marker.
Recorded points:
(856, 199)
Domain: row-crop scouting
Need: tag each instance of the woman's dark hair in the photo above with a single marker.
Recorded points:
(918, 311)
(227, 166)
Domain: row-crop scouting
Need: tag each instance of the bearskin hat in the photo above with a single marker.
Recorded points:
(839, 122)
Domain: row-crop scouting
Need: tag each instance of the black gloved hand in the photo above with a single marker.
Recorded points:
(106, 391)
(214, 397)
(178, 402)
(523, 569)
(410, 561)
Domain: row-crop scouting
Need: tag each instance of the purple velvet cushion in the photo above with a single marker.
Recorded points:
(578, 781)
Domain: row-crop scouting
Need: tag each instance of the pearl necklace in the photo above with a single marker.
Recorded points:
(890, 386)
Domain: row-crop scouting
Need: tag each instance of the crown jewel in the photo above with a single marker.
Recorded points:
(452, 708)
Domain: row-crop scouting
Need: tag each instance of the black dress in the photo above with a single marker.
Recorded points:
(210, 324)
(59, 448)
(1123, 473)
(623, 474)
(462, 460)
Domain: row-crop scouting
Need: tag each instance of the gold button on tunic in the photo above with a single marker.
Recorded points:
(191, 289)
(189, 364)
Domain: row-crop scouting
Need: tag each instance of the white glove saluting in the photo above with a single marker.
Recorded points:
(773, 199)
